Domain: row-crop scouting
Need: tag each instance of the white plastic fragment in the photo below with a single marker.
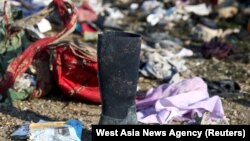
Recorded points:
(44, 26)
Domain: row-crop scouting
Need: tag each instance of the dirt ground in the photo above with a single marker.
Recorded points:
(58, 107)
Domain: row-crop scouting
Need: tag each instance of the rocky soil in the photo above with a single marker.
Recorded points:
(58, 107)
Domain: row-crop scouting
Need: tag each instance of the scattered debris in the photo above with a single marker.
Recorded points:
(181, 39)
(64, 131)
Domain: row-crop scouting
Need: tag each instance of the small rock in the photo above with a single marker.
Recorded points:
(235, 113)
(227, 12)
(233, 121)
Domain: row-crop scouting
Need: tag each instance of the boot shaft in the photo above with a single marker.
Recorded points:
(118, 64)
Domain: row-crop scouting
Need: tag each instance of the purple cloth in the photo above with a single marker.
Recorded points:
(37, 6)
(178, 101)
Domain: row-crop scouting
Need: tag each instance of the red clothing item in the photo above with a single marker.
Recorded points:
(21, 63)
(76, 73)
(86, 13)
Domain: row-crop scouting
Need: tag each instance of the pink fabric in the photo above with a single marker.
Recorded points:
(86, 13)
(178, 101)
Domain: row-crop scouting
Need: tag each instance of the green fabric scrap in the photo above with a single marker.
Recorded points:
(10, 48)
(13, 95)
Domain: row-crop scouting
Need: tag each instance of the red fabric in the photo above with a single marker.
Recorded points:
(21, 63)
(87, 28)
(86, 13)
(61, 8)
(76, 76)
(214, 2)
(217, 49)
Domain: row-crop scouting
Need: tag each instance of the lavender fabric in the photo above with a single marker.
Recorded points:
(178, 101)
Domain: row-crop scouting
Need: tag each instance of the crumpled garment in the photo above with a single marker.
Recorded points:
(24, 82)
(202, 32)
(22, 88)
(162, 15)
(10, 48)
(163, 62)
(199, 9)
(217, 49)
(21, 62)
(161, 37)
(35, 6)
(179, 101)
(149, 6)
(160, 67)
(86, 13)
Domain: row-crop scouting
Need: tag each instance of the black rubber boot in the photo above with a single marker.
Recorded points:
(118, 64)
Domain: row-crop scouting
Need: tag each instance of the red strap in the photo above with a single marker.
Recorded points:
(22, 62)
(60, 6)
